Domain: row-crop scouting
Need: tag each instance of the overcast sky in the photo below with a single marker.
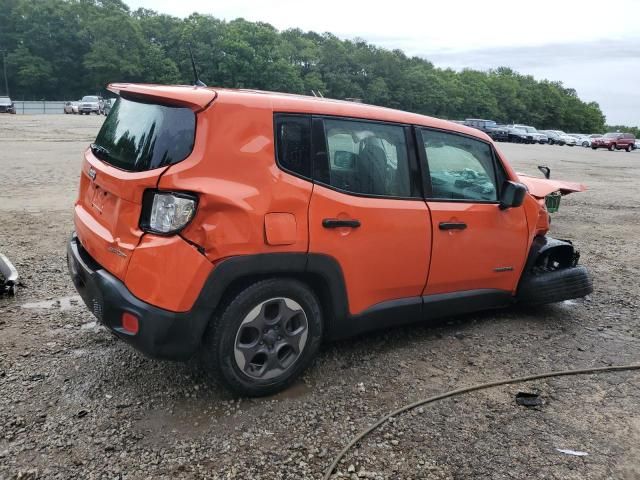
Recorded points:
(591, 46)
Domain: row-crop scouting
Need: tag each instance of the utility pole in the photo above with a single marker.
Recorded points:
(4, 68)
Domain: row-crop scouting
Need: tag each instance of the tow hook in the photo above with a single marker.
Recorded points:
(8, 276)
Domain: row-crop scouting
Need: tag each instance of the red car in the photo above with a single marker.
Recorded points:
(615, 141)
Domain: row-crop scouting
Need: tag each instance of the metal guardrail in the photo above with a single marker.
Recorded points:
(38, 107)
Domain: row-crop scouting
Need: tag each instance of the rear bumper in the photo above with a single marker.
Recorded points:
(161, 334)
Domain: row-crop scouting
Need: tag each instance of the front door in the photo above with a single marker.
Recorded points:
(367, 211)
(476, 244)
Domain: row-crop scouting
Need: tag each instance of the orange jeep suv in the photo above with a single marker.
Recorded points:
(249, 226)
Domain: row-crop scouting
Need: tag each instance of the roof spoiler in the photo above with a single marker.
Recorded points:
(194, 97)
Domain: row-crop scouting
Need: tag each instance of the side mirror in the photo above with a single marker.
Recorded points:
(512, 195)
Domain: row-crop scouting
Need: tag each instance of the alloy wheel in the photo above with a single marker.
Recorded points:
(271, 338)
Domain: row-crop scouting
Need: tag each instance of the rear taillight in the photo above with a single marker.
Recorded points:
(167, 213)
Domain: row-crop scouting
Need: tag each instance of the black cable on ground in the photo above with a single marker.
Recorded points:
(473, 388)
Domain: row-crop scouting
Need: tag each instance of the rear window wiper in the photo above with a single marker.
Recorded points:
(100, 151)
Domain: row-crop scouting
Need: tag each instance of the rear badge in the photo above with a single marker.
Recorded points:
(92, 173)
(118, 252)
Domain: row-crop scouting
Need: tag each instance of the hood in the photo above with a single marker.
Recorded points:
(541, 187)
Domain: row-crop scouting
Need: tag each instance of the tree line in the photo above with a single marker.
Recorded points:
(63, 49)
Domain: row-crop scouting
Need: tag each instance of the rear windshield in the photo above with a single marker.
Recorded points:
(89, 99)
(142, 136)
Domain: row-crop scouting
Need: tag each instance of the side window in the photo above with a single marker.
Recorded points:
(293, 143)
(367, 158)
(460, 167)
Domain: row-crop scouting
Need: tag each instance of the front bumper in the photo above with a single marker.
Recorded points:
(161, 333)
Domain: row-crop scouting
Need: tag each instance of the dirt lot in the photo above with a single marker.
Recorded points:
(75, 403)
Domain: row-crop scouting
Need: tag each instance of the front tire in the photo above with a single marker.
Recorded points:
(261, 340)
(612, 147)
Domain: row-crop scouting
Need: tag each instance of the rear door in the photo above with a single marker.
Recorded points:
(476, 245)
(367, 210)
(137, 142)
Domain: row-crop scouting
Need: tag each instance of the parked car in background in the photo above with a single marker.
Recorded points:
(533, 135)
(615, 141)
(636, 144)
(567, 139)
(497, 132)
(553, 137)
(106, 107)
(516, 135)
(6, 105)
(71, 107)
(90, 104)
(582, 139)
(595, 135)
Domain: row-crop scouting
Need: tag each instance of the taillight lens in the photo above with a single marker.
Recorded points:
(167, 212)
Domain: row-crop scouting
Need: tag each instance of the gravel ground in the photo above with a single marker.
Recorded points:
(76, 403)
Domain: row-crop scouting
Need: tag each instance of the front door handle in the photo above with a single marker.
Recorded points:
(337, 223)
(452, 225)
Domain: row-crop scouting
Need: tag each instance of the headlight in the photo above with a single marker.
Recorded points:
(167, 212)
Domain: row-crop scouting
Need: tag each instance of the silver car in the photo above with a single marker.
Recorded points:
(6, 105)
(582, 139)
(71, 107)
(567, 139)
(90, 104)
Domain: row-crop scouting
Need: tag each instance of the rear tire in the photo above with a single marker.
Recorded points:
(262, 339)
(612, 147)
(628, 149)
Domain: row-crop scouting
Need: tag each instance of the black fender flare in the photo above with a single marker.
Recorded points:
(322, 271)
(564, 252)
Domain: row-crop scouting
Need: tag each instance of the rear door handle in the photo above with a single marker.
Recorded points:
(452, 225)
(337, 223)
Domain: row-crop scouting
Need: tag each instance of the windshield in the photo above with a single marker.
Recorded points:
(142, 136)
(89, 99)
(5, 101)
(612, 135)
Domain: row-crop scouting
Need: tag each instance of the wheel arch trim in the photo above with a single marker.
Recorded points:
(309, 267)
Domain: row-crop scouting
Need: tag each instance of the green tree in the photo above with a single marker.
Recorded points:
(67, 48)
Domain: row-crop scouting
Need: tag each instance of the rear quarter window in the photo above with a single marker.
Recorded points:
(139, 136)
(293, 144)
